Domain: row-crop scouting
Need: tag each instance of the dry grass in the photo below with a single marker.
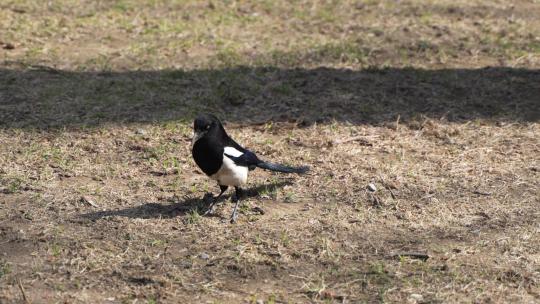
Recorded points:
(436, 103)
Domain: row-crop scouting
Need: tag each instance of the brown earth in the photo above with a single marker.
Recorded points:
(436, 104)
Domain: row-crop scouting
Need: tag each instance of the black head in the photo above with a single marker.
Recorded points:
(203, 124)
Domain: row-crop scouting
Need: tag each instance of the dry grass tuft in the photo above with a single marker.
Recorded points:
(434, 103)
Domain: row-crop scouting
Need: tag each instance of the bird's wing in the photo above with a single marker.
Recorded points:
(244, 158)
(229, 142)
(232, 152)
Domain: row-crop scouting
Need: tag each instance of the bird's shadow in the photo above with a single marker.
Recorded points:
(177, 208)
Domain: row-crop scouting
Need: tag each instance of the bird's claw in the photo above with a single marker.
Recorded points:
(208, 211)
(234, 217)
(208, 200)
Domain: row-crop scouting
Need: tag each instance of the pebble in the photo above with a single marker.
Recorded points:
(141, 132)
(371, 187)
(8, 46)
(417, 297)
(204, 256)
(258, 210)
(87, 199)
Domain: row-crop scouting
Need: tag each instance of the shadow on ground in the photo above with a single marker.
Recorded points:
(156, 210)
(45, 98)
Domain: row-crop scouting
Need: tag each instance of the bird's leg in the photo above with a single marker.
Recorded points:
(237, 197)
(214, 201)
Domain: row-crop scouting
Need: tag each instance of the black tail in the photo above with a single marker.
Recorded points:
(282, 168)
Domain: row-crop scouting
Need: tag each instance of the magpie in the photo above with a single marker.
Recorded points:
(225, 161)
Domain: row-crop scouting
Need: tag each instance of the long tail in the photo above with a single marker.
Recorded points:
(282, 168)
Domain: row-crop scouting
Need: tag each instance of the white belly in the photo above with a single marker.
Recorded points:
(230, 174)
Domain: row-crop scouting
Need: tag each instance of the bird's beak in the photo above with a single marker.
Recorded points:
(196, 136)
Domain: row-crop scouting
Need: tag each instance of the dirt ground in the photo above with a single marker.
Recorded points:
(434, 103)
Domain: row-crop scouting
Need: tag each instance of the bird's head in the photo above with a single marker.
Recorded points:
(203, 124)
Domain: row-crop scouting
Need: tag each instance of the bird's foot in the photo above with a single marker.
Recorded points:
(210, 210)
(209, 199)
(236, 201)
(234, 216)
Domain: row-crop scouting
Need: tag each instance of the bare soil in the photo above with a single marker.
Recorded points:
(435, 103)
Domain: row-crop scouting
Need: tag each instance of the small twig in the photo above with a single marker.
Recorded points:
(376, 200)
(413, 255)
(361, 138)
(481, 193)
(372, 246)
(45, 68)
(385, 184)
(163, 173)
(392, 193)
(21, 288)
(298, 277)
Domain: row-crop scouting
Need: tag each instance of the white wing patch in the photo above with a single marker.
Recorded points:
(232, 152)
(230, 174)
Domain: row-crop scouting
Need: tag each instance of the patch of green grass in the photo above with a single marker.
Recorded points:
(244, 208)
(156, 63)
(5, 268)
(269, 192)
(283, 89)
(123, 6)
(176, 74)
(378, 272)
(228, 57)
(134, 184)
(157, 243)
(237, 241)
(193, 217)
(153, 153)
(285, 238)
(328, 52)
(341, 52)
(60, 287)
(259, 240)
(290, 197)
(56, 249)
(12, 184)
(271, 299)
(315, 287)
(426, 18)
